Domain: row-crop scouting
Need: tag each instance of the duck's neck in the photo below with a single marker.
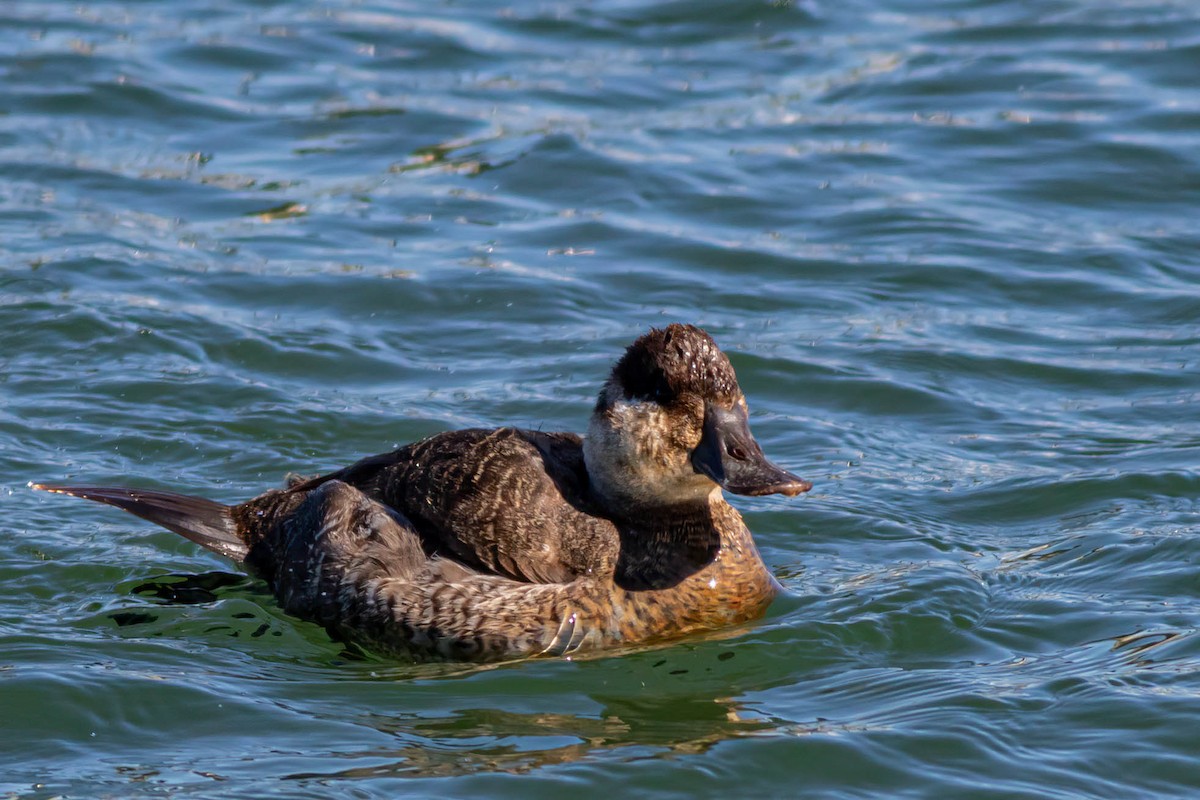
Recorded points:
(662, 546)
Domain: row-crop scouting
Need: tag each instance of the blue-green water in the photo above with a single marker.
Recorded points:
(954, 251)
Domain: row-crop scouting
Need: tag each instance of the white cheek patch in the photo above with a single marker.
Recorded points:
(653, 461)
(640, 430)
(634, 415)
(630, 454)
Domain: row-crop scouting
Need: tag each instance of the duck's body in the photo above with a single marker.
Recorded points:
(486, 544)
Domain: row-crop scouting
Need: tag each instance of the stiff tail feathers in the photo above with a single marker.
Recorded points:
(203, 521)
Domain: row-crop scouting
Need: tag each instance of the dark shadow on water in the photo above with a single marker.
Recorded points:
(176, 589)
(125, 618)
(189, 589)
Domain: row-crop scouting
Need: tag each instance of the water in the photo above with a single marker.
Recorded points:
(951, 247)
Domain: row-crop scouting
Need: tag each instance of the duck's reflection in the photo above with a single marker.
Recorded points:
(488, 740)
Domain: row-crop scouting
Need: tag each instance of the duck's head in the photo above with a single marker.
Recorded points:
(670, 427)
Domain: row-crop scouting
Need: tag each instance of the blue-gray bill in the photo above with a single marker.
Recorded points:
(729, 454)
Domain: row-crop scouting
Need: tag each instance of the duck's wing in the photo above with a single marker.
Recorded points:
(511, 502)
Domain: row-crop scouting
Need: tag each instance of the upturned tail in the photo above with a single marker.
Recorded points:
(204, 522)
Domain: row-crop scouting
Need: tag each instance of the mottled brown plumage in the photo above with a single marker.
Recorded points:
(460, 491)
(487, 544)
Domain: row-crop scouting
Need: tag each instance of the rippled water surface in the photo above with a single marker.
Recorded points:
(951, 247)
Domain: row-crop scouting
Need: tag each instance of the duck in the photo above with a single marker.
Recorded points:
(491, 544)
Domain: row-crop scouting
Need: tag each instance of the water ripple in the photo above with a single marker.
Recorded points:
(950, 248)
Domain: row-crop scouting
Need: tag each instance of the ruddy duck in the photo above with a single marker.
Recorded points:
(489, 544)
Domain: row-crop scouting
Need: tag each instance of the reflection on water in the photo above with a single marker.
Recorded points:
(1136, 646)
(487, 740)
